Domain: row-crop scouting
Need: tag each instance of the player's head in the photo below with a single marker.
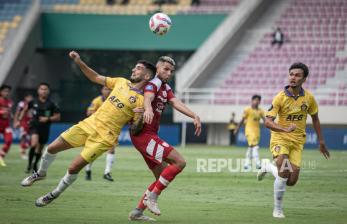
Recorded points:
(5, 91)
(165, 68)
(105, 92)
(28, 97)
(143, 70)
(298, 73)
(43, 89)
(256, 100)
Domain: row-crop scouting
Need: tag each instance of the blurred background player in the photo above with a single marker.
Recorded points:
(100, 131)
(23, 124)
(44, 112)
(5, 121)
(232, 125)
(288, 135)
(93, 107)
(251, 119)
(162, 159)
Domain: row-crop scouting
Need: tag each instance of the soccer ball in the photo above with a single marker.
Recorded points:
(160, 23)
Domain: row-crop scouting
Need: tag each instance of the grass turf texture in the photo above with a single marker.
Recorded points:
(319, 197)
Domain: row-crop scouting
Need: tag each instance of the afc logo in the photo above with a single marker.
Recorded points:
(295, 117)
(115, 101)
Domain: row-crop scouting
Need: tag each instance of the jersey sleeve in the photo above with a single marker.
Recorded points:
(313, 106)
(111, 82)
(275, 107)
(170, 93)
(150, 88)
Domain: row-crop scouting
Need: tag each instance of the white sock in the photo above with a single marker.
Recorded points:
(248, 156)
(109, 162)
(66, 181)
(46, 160)
(271, 168)
(279, 189)
(255, 154)
(89, 167)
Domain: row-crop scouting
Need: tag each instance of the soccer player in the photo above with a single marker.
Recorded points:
(5, 121)
(162, 159)
(23, 124)
(44, 113)
(99, 132)
(93, 107)
(251, 119)
(288, 135)
(232, 125)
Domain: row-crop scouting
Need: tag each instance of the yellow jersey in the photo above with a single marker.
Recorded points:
(96, 103)
(292, 109)
(117, 110)
(252, 118)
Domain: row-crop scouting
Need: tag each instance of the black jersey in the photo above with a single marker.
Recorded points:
(42, 109)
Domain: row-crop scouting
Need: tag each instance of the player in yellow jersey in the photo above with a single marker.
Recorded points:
(251, 119)
(99, 132)
(291, 106)
(93, 107)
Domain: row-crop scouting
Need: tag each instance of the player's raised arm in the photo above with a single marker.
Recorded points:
(87, 71)
(273, 126)
(181, 107)
(322, 147)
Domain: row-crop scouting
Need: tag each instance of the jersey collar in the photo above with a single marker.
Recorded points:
(289, 94)
(139, 91)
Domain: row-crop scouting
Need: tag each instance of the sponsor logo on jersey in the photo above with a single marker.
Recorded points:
(115, 101)
(295, 117)
(164, 94)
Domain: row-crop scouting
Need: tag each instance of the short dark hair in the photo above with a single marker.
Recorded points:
(256, 97)
(301, 66)
(167, 59)
(4, 86)
(148, 65)
(44, 84)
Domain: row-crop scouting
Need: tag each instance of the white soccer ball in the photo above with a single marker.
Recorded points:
(160, 23)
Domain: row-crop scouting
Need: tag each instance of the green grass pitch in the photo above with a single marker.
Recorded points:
(320, 196)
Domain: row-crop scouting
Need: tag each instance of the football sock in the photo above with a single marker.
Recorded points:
(255, 154)
(248, 156)
(31, 157)
(269, 167)
(109, 162)
(140, 205)
(279, 189)
(89, 167)
(37, 159)
(168, 174)
(64, 183)
(46, 161)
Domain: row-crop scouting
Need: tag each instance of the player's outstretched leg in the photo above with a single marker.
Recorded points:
(109, 163)
(176, 165)
(64, 183)
(47, 159)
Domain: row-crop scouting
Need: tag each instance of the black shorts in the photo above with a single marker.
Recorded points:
(42, 132)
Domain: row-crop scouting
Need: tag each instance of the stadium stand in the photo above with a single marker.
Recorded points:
(140, 7)
(315, 33)
(11, 14)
